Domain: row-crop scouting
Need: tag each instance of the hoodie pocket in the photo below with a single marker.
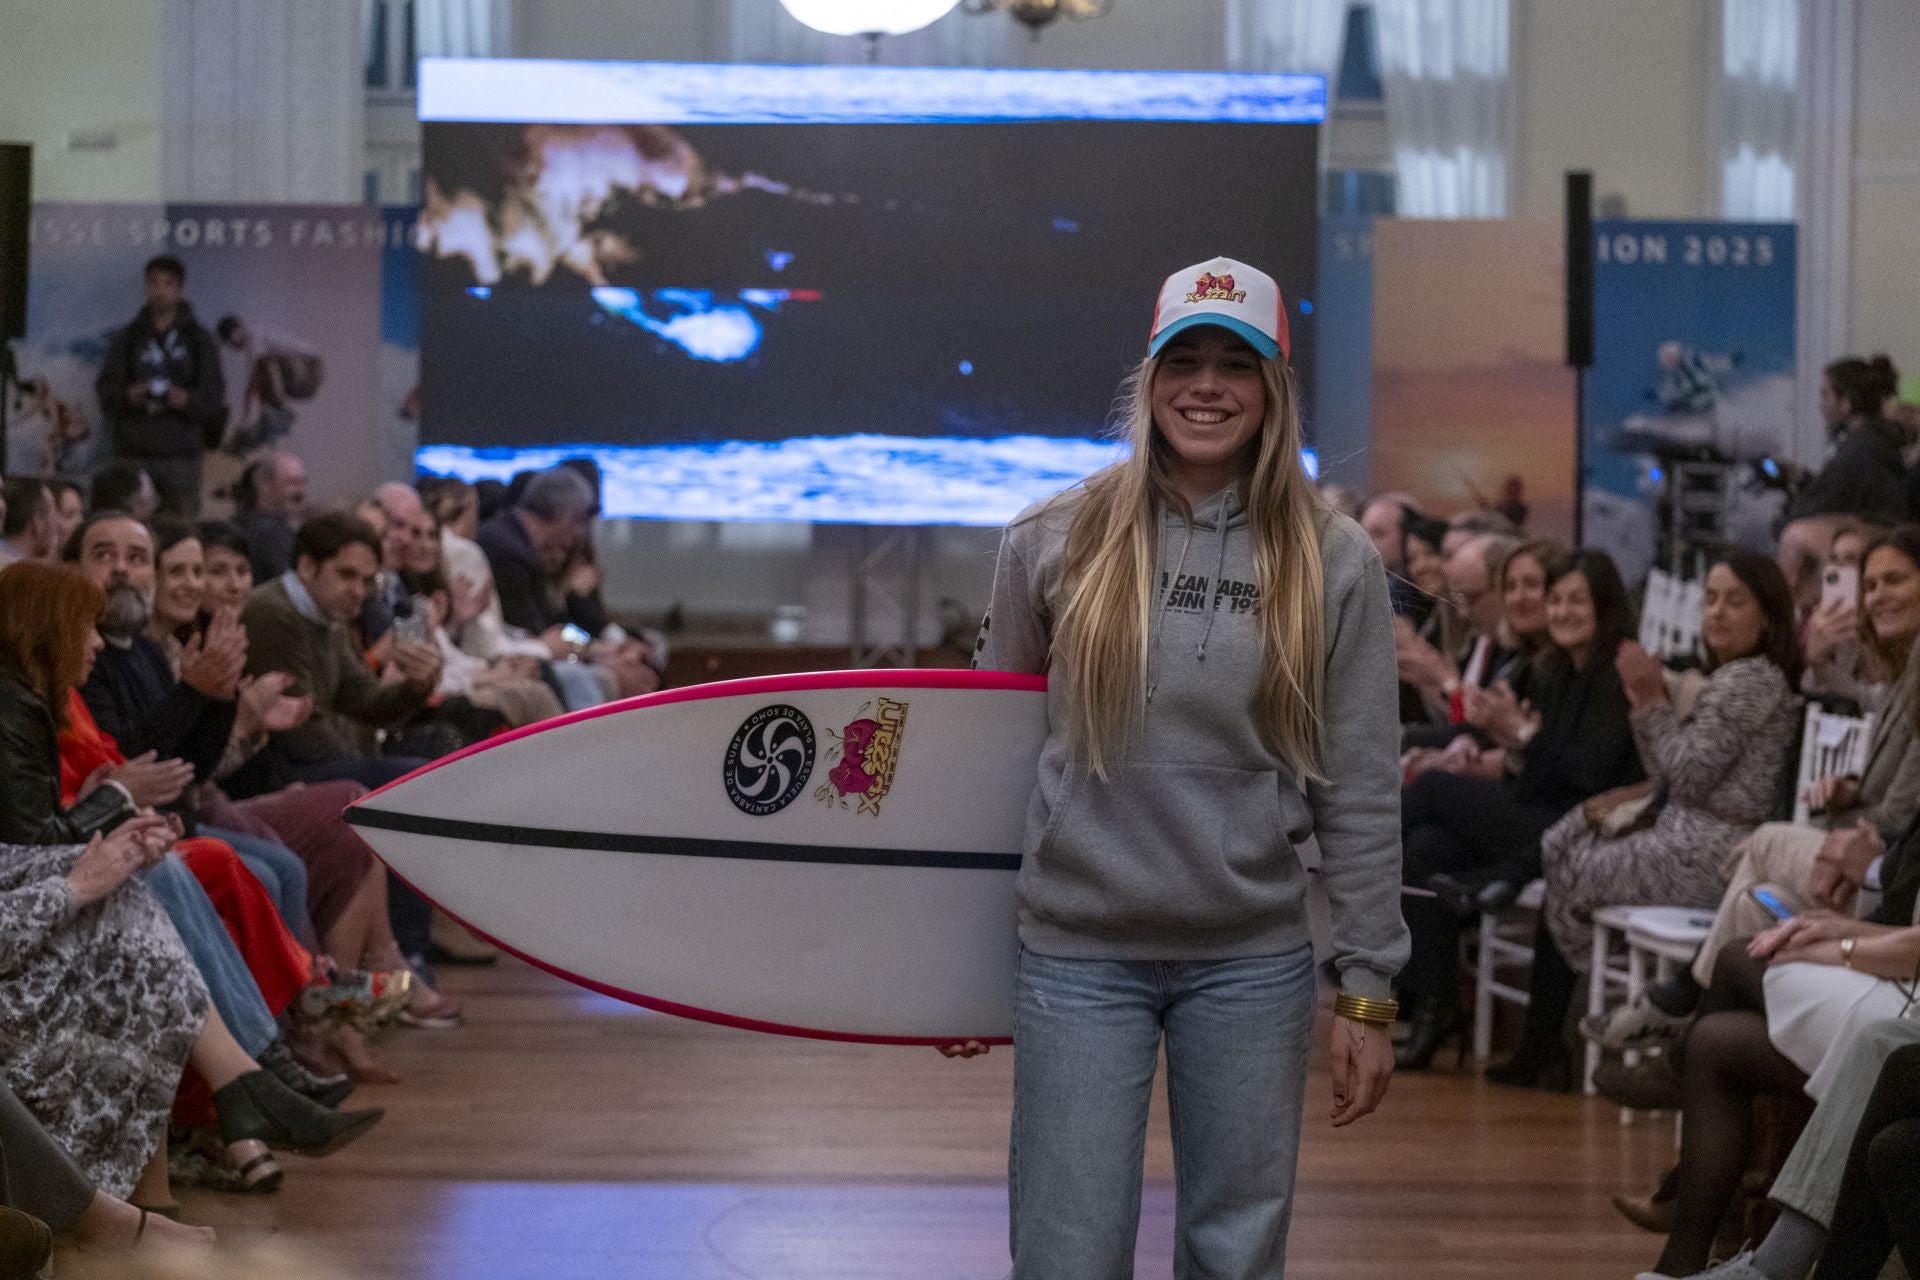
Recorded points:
(1165, 848)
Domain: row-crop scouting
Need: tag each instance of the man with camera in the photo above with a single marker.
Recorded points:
(161, 390)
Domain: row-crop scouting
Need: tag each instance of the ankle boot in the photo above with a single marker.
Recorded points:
(257, 1107)
(328, 1091)
(1435, 1023)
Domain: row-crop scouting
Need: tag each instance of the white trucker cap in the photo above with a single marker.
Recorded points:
(1230, 294)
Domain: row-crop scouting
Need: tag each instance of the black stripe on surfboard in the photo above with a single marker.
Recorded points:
(682, 846)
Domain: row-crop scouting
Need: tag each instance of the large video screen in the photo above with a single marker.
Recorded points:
(835, 294)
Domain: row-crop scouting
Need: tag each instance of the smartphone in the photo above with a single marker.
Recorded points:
(414, 626)
(1771, 902)
(575, 635)
(1840, 584)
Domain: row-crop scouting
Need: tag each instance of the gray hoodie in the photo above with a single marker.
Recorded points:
(1187, 851)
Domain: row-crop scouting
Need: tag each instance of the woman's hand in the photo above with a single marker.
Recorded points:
(1813, 936)
(1362, 1069)
(1641, 675)
(1499, 711)
(1833, 793)
(1833, 624)
(152, 782)
(109, 860)
(968, 1049)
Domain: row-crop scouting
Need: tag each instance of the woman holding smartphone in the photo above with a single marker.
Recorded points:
(1221, 688)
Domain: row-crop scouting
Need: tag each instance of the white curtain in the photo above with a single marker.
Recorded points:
(462, 28)
(1449, 100)
(763, 31)
(1756, 107)
(1287, 35)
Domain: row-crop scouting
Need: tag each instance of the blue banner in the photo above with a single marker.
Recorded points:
(1693, 361)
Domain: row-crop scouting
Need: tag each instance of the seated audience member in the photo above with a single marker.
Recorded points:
(1440, 677)
(125, 486)
(1385, 520)
(1500, 714)
(1715, 773)
(31, 525)
(1847, 1193)
(76, 987)
(297, 624)
(1865, 476)
(1836, 662)
(1581, 746)
(510, 686)
(272, 501)
(526, 545)
(1473, 524)
(39, 1178)
(1861, 819)
(1783, 1015)
(70, 508)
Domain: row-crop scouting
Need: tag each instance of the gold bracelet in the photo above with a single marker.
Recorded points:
(1376, 1013)
(1846, 951)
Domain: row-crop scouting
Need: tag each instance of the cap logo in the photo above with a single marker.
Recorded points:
(1212, 288)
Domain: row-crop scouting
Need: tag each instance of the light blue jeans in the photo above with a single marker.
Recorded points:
(1086, 1035)
(235, 994)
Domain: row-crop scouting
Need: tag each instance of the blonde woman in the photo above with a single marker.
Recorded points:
(1221, 688)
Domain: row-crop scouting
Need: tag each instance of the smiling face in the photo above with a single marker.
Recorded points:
(1732, 623)
(229, 578)
(1890, 595)
(1425, 567)
(1208, 402)
(181, 586)
(1570, 615)
(1524, 599)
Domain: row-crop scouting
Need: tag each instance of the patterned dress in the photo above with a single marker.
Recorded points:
(1721, 768)
(99, 1006)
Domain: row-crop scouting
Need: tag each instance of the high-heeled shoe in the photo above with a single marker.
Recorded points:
(329, 1090)
(257, 1107)
(1434, 1025)
(1536, 1066)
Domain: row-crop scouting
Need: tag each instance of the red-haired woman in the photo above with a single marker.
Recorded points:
(102, 1004)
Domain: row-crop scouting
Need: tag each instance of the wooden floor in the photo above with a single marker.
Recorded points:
(562, 1136)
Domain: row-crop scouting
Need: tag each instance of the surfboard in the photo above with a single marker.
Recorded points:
(828, 855)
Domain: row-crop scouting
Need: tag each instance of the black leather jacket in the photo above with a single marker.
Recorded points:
(30, 811)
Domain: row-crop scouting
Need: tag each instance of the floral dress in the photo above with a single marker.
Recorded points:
(1720, 768)
(99, 1006)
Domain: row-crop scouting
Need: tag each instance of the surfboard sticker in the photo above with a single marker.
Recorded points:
(769, 760)
(850, 877)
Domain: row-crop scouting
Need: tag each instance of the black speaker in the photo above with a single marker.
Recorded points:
(1579, 269)
(16, 202)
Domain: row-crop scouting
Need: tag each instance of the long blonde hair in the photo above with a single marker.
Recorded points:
(1101, 637)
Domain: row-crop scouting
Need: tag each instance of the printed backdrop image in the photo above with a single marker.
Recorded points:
(1472, 403)
(302, 286)
(1693, 361)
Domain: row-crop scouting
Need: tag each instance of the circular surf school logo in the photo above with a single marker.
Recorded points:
(769, 760)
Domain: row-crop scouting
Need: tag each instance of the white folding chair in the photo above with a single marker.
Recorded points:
(1506, 942)
(1829, 744)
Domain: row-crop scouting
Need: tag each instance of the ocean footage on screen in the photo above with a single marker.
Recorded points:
(894, 323)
